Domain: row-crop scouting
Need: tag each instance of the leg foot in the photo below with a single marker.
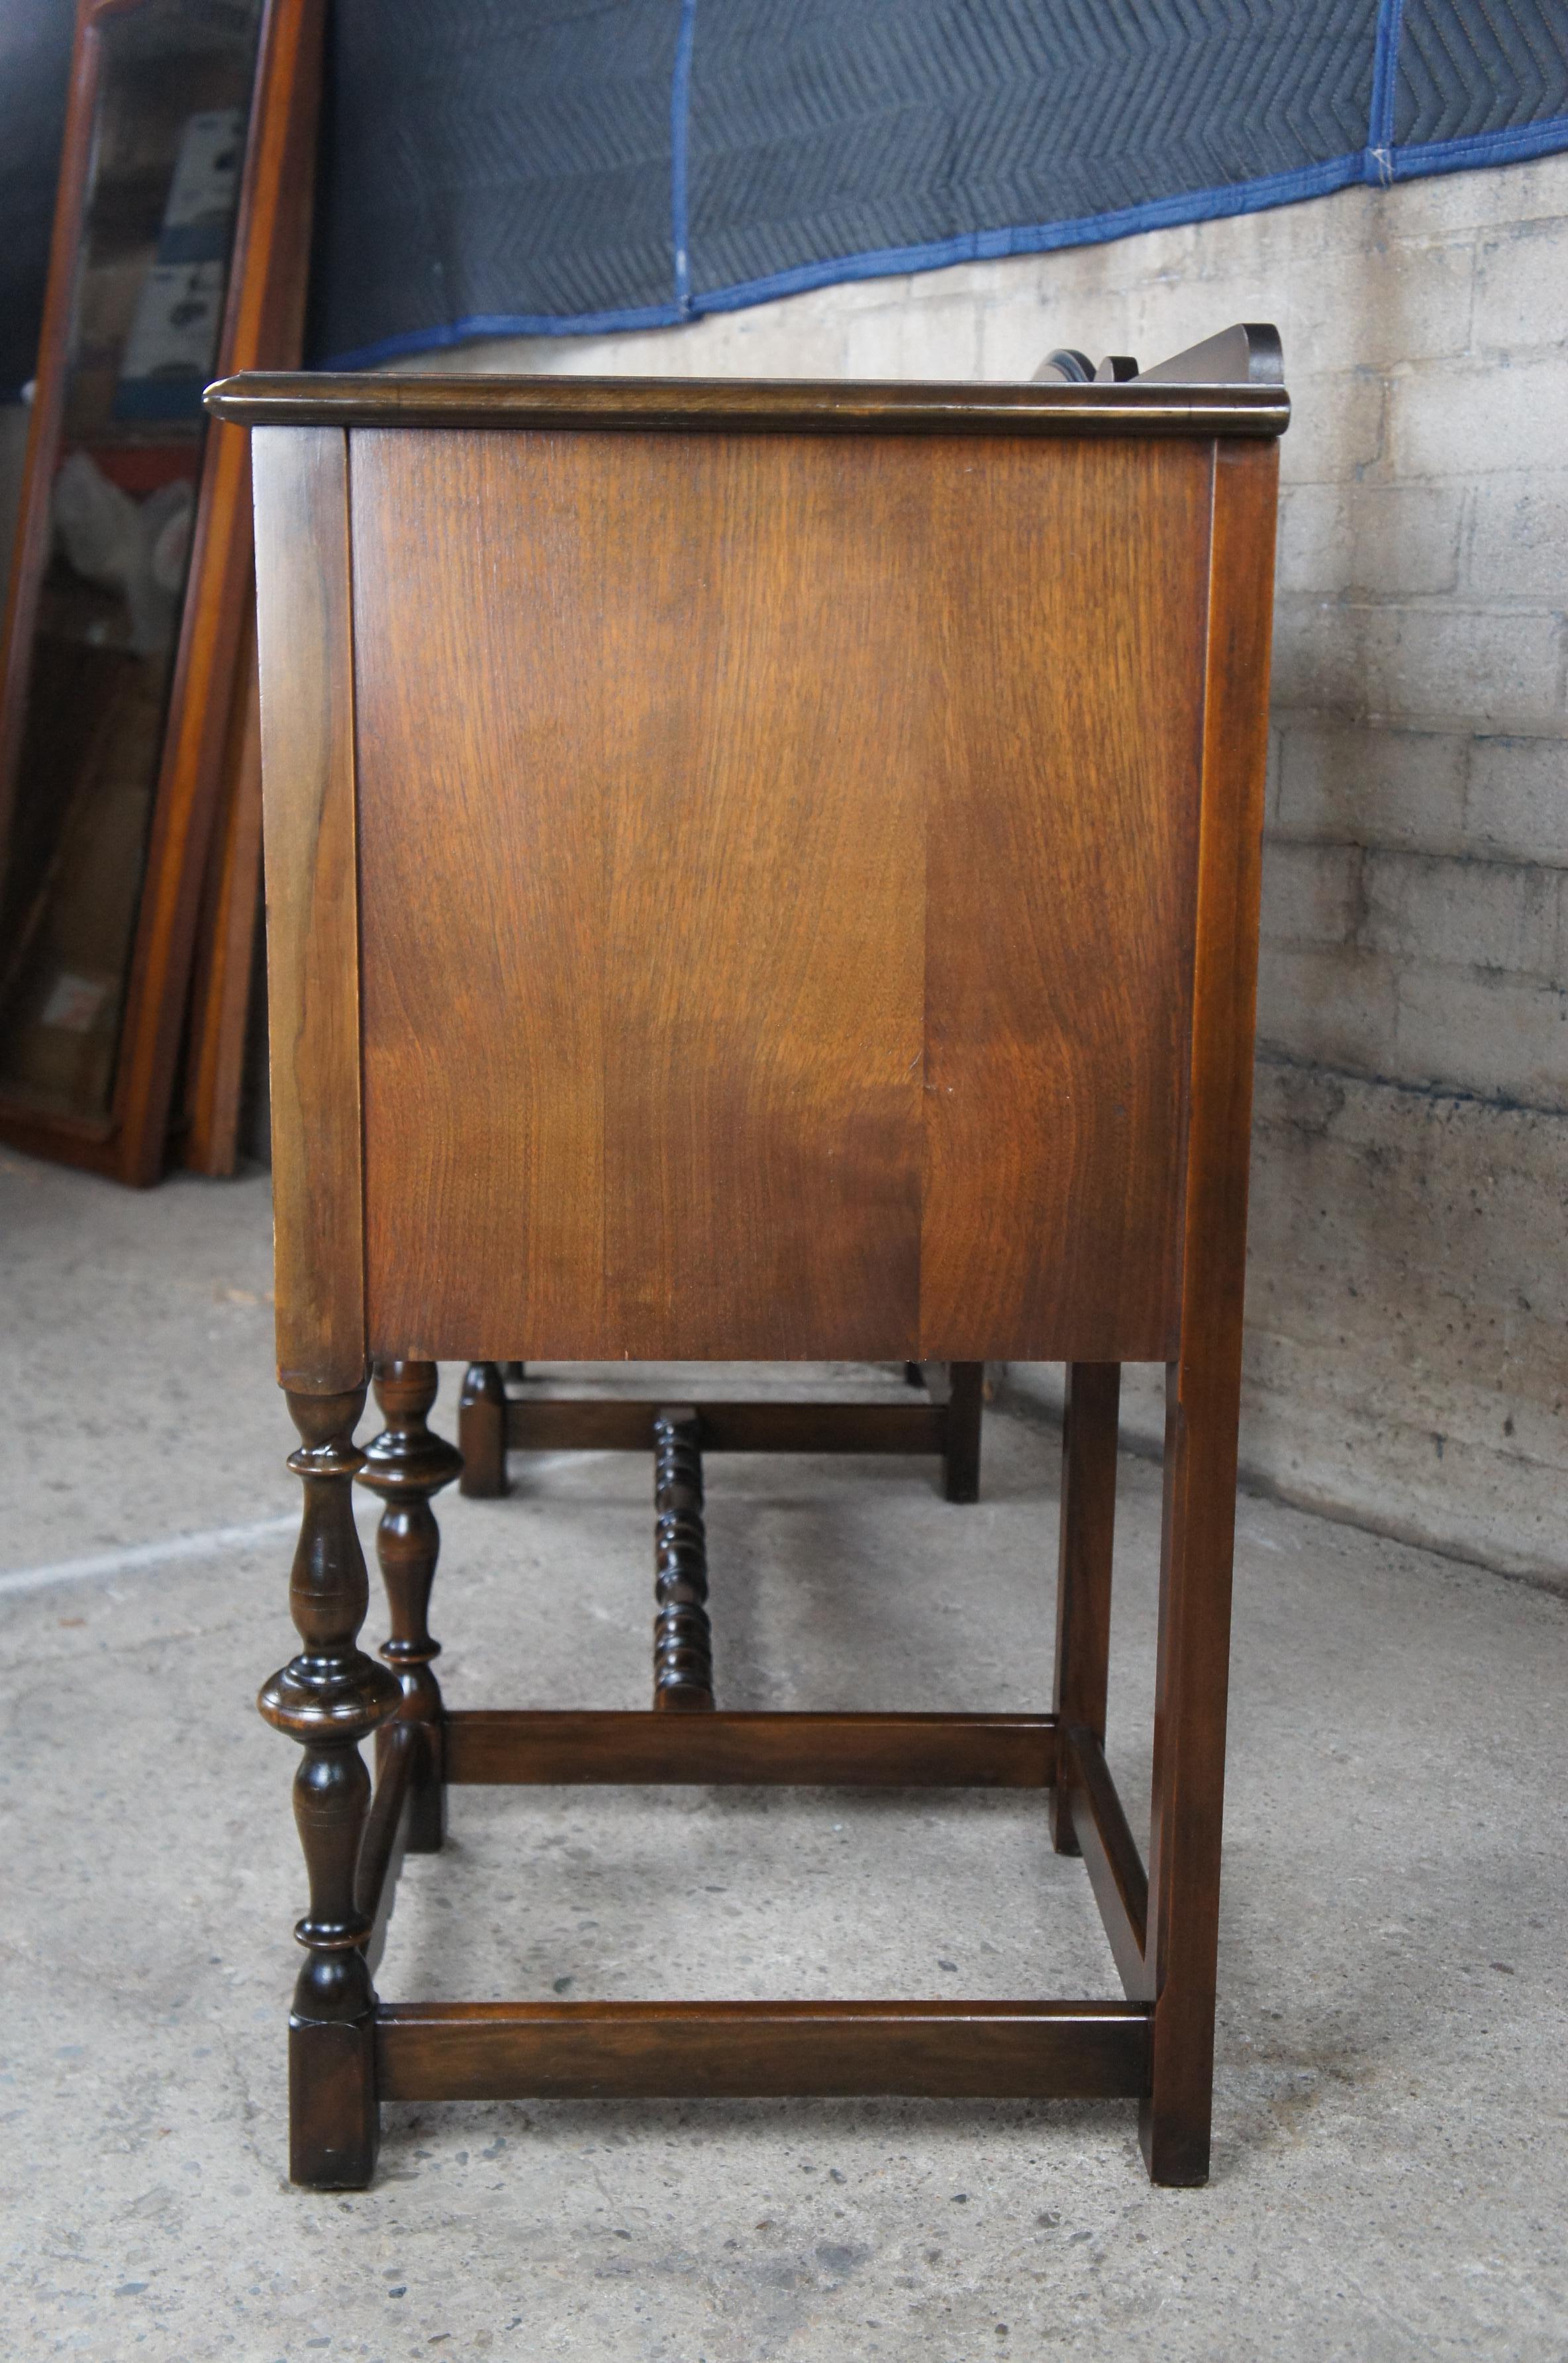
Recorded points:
(481, 1432)
(1176, 2150)
(961, 1453)
(334, 2120)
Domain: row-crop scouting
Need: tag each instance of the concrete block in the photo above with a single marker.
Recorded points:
(1500, 1037)
(1503, 915)
(1516, 798)
(1472, 666)
(1311, 893)
(1371, 785)
(1405, 539)
(802, 338)
(1521, 287)
(1277, 245)
(1386, 303)
(1334, 1006)
(939, 339)
(1016, 334)
(1518, 542)
(1317, 659)
(1457, 419)
(1336, 427)
(1450, 202)
(1315, 538)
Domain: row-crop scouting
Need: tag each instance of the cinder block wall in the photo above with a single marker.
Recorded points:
(1409, 1282)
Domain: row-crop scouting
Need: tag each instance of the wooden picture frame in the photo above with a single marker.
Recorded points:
(201, 746)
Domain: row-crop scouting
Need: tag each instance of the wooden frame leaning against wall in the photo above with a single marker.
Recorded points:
(200, 768)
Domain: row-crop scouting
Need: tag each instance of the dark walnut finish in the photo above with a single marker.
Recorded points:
(329, 1698)
(683, 1645)
(406, 1465)
(891, 987)
(760, 871)
(491, 1422)
(628, 405)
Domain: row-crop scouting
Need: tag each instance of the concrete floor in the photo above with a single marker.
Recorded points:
(1391, 2175)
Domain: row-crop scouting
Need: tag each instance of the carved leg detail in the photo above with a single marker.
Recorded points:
(481, 1432)
(683, 1649)
(961, 1455)
(405, 1464)
(328, 1698)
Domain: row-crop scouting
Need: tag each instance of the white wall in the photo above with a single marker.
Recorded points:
(1409, 1282)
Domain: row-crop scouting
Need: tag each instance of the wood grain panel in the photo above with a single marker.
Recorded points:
(1063, 831)
(778, 860)
(484, 716)
(1007, 2050)
(762, 1097)
(617, 740)
(616, 1423)
(307, 762)
(524, 1747)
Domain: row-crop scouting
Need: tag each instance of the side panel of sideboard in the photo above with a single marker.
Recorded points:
(778, 860)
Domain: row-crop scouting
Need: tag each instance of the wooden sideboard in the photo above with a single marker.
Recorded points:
(760, 871)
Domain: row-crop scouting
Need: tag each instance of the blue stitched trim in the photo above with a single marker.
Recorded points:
(1481, 148)
(1088, 229)
(1385, 92)
(680, 137)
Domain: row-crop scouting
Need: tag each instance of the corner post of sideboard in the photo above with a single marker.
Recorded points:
(305, 630)
(331, 1697)
(1203, 1383)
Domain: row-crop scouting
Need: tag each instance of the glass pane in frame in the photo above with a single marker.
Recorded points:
(170, 119)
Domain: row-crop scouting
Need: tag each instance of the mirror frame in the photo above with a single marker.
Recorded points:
(262, 327)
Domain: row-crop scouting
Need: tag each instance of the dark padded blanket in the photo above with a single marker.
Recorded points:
(545, 166)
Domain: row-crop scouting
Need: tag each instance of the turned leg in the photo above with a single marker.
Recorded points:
(683, 1649)
(961, 1448)
(1083, 1567)
(405, 1465)
(481, 1432)
(329, 1697)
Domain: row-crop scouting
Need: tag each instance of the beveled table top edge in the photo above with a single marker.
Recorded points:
(754, 405)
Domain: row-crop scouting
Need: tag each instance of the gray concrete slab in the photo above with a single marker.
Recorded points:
(1391, 2179)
